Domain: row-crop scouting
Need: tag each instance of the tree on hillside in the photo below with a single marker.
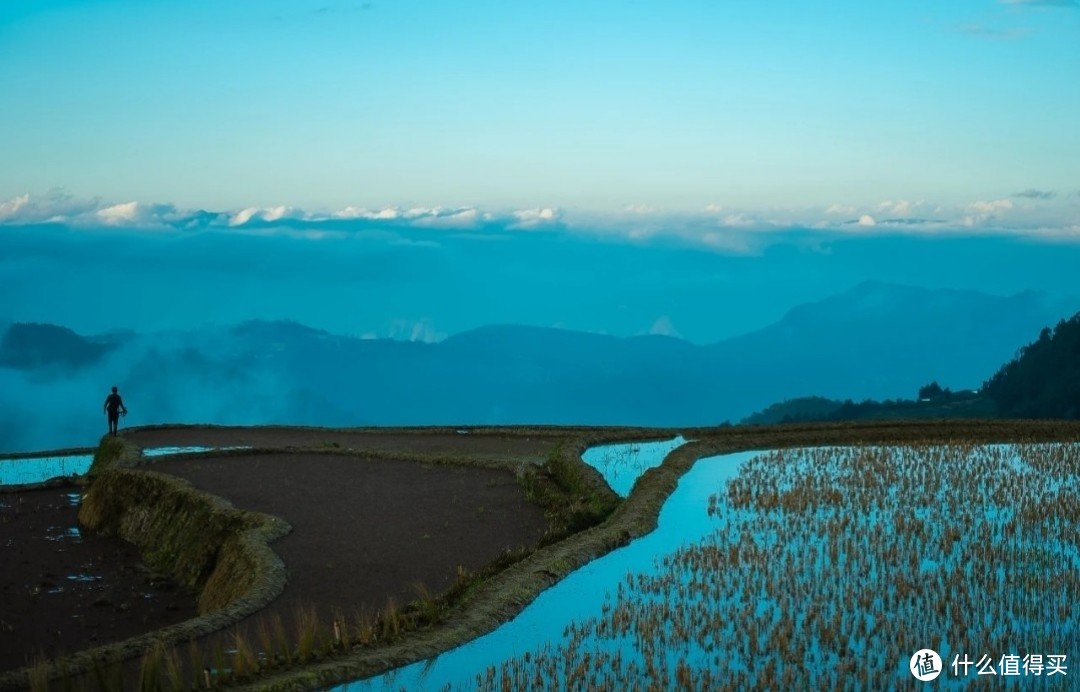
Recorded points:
(1043, 381)
(811, 408)
(932, 391)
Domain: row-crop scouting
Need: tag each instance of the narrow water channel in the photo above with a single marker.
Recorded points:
(683, 520)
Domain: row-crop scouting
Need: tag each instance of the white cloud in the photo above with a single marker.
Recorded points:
(459, 218)
(663, 327)
(119, 213)
(738, 220)
(531, 218)
(993, 207)
(546, 214)
(422, 330)
(387, 214)
(275, 213)
(10, 209)
(243, 216)
(899, 208)
(351, 212)
(57, 205)
(720, 228)
(265, 214)
(60, 207)
(979, 213)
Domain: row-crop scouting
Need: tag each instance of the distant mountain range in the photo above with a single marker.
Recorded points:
(47, 346)
(874, 341)
(879, 341)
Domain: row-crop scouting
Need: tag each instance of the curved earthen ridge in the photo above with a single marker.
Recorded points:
(205, 543)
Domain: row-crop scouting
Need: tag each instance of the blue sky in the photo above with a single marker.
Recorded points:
(772, 111)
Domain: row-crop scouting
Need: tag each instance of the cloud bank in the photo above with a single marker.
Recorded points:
(720, 227)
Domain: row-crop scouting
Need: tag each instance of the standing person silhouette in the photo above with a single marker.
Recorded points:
(114, 406)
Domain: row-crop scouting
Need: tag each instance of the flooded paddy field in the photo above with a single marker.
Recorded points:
(828, 568)
(25, 470)
(806, 568)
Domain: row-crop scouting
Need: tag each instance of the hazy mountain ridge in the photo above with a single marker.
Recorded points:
(31, 345)
(876, 341)
(879, 341)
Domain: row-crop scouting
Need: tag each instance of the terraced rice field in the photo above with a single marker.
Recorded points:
(828, 568)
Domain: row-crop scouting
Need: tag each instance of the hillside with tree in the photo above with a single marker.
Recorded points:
(1043, 381)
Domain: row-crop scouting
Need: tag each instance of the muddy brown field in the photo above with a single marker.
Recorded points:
(364, 530)
(64, 589)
